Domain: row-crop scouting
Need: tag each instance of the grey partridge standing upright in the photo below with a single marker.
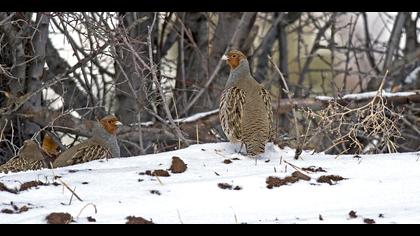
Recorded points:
(103, 144)
(29, 157)
(245, 106)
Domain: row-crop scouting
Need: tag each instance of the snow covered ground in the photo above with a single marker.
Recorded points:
(384, 188)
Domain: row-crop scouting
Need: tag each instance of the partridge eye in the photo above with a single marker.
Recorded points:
(234, 56)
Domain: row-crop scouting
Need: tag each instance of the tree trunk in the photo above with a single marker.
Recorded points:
(227, 25)
(24, 57)
(194, 69)
(127, 105)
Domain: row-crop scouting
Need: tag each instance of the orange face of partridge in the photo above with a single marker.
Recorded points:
(50, 146)
(110, 124)
(233, 58)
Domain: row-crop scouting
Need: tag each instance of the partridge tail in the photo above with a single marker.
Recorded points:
(255, 147)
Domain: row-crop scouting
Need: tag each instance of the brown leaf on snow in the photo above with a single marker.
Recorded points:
(330, 179)
(30, 184)
(59, 218)
(228, 186)
(301, 176)
(277, 182)
(313, 169)
(178, 165)
(368, 221)
(6, 189)
(352, 214)
(138, 220)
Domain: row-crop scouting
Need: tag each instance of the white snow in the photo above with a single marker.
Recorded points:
(377, 184)
(367, 95)
(188, 119)
(412, 77)
(144, 124)
(197, 116)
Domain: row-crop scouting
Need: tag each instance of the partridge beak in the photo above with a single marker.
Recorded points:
(118, 123)
(224, 57)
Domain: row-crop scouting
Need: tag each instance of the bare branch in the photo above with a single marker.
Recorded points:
(218, 66)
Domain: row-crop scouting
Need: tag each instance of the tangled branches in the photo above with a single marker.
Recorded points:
(371, 128)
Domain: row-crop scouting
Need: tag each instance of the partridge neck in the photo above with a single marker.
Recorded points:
(107, 138)
(239, 74)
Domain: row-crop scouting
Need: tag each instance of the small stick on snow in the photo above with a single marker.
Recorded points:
(94, 206)
(286, 90)
(196, 133)
(179, 216)
(220, 154)
(71, 197)
(234, 215)
(341, 153)
(295, 167)
(74, 193)
(158, 179)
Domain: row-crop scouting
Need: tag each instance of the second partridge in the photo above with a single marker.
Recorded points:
(103, 144)
(29, 157)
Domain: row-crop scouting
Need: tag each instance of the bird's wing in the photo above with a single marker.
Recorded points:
(265, 94)
(20, 164)
(13, 165)
(231, 112)
(89, 153)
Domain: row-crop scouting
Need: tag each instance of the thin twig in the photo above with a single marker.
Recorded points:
(234, 215)
(179, 216)
(196, 133)
(159, 87)
(71, 197)
(158, 179)
(295, 167)
(286, 90)
(220, 154)
(216, 70)
(94, 206)
(65, 185)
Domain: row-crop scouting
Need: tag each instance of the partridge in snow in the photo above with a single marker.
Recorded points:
(29, 157)
(103, 144)
(245, 106)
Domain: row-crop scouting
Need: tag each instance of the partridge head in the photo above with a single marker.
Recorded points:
(110, 124)
(50, 147)
(234, 58)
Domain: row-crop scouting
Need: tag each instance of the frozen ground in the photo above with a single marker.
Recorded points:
(385, 188)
